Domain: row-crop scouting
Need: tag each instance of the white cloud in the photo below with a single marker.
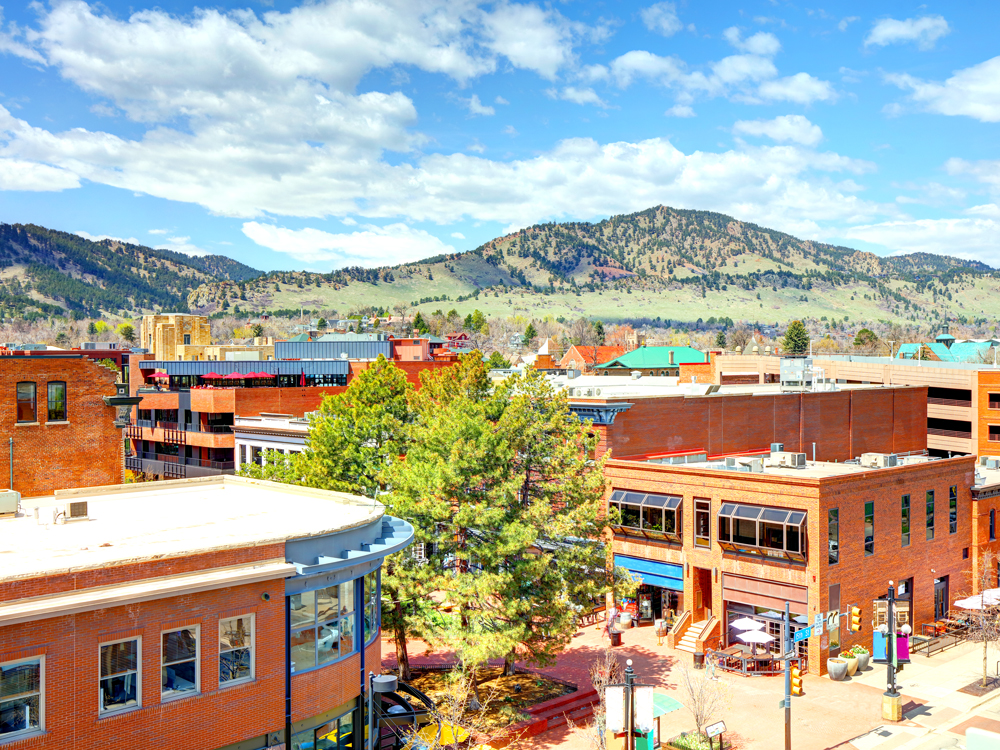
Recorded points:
(530, 37)
(973, 92)
(476, 107)
(762, 43)
(370, 247)
(158, 231)
(924, 31)
(801, 88)
(10, 43)
(458, 235)
(511, 131)
(577, 96)
(182, 245)
(21, 174)
(794, 128)
(661, 18)
(680, 110)
(500, 100)
(984, 171)
(845, 22)
(99, 237)
(969, 238)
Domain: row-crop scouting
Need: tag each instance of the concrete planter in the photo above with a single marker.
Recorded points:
(852, 663)
(863, 660)
(836, 669)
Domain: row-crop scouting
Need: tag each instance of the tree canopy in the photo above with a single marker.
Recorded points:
(796, 340)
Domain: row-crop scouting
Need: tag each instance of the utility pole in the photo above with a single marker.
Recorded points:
(788, 679)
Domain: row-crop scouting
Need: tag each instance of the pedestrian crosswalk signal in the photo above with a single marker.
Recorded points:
(796, 680)
(855, 619)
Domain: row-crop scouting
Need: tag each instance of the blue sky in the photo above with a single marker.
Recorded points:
(367, 132)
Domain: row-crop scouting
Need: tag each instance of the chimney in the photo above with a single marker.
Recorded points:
(670, 356)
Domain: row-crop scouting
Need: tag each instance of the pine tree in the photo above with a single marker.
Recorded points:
(529, 334)
(599, 332)
(419, 325)
(720, 339)
(796, 339)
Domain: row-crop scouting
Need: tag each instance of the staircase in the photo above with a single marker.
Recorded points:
(690, 636)
(576, 707)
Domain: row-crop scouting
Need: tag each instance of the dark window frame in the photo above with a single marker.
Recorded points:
(643, 508)
(755, 528)
(869, 527)
(54, 415)
(929, 515)
(18, 401)
(703, 513)
(993, 524)
(953, 509)
(833, 534)
(904, 520)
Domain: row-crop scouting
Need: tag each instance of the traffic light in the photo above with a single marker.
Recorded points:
(796, 679)
(855, 619)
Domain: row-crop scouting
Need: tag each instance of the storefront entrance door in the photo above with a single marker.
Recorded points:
(702, 594)
(940, 597)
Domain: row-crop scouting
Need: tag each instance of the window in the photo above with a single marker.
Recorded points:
(995, 400)
(21, 691)
(121, 675)
(930, 515)
(652, 516)
(187, 339)
(702, 524)
(373, 606)
(953, 509)
(179, 673)
(905, 519)
(322, 625)
(57, 401)
(869, 528)
(334, 735)
(257, 455)
(775, 532)
(993, 525)
(26, 402)
(243, 453)
(235, 650)
(833, 535)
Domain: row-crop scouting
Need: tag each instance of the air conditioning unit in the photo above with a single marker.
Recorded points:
(777, 447)
(911, 460)
(879, 460)
(75, 512)
(730, 461)
(993, 463)
(9, 500)
(597, 392)
(797, 460)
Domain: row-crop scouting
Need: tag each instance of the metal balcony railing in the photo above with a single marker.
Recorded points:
(949, 433)
(949, 402)
(167, 458)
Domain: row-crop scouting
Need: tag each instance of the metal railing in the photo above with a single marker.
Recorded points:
(949, 402)
(949, 433)
(219, 429)
(170, 459)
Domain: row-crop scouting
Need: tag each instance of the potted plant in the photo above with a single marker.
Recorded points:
(852, 661)
(863, 657)
(836, 669)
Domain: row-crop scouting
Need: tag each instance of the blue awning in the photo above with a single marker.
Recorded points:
(653, 573)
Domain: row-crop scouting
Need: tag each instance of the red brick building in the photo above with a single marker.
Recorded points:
(56, 429)
(146, 627)
(717, 543)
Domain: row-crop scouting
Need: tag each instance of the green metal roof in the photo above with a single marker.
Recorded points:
(966, 351)
(300, 337)
(650, 357)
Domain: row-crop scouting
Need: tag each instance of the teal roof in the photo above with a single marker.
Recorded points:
(968, 351)
(300, 337)
(650, 357)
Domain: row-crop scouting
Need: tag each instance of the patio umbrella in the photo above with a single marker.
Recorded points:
(262, 375)
(745, 623)
(211, 376)
(989, 598)
(754, 637)
(233, 376)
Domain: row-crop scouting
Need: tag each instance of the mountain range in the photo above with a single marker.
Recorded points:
(660, 264)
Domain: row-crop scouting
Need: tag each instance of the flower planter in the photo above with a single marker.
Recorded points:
(836, 669)
(852, 663)
(863, 660)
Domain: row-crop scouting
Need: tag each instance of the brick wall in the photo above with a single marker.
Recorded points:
(843, 424)
(83, 451)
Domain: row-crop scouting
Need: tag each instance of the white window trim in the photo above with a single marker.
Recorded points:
(253, 651)
(170, 695)
(138, 676)
(24, 733)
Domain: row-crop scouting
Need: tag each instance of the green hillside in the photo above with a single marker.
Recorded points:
(662, 263)
(45, 272)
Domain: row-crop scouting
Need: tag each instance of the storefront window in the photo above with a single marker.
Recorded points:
(322, 625)
(649, 515)
(776, 532)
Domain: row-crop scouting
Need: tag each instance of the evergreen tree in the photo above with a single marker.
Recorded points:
(498, 362)
(419, 324)
(796, 340)
(127, 332)
(321, 324)
(256, 330)
(91, 329)
(467, 324)
(865, 338)
(720, 339)
(599, 332)
(530, 334)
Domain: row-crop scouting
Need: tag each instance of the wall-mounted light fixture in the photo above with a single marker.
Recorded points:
(266, 597)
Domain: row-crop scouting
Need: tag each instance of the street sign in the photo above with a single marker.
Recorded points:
(802, 633)
(832, 620)
(781, 703)
(818, 629)
(818, 619)
(714, 730)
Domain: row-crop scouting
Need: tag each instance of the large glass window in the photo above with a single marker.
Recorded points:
(26, 411)
(930, 514)
(833, 535)
(653, 516)
(334, 735)
(776, 532)
(57, 401)
(236, 649)
(179, 671)
(121, 675)
(20, 697)
(953, 509)
(373, 606)
(702, 523)
(993, 525)
(322, 625)
(904, 513)
(869, 528)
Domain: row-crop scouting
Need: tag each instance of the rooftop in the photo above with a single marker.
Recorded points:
(781, 465)
(133, 523)
(646, 357)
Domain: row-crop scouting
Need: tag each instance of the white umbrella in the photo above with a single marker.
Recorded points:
(989, 598)
(754, 637)
(745, 623)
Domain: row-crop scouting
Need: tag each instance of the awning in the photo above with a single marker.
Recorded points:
(653, 573)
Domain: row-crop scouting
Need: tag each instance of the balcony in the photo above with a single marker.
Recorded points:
(949, 433)
(949, 402)
(175, 467)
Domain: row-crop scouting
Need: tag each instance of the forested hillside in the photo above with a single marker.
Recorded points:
(46, 272)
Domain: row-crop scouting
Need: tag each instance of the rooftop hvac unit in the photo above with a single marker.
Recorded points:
(9, 500)
(76, 511)
(598, 392)
(730, 461)
(636, 375)
(911, 460)
(879, 460)
(993, 463)
(777, 447)
(797, 460)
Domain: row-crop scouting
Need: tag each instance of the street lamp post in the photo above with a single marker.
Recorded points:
(892, 704)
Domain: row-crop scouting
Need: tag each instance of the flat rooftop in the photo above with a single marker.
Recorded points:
(811, 469)
(137, 522)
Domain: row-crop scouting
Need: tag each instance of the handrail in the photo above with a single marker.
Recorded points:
(680, 622)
